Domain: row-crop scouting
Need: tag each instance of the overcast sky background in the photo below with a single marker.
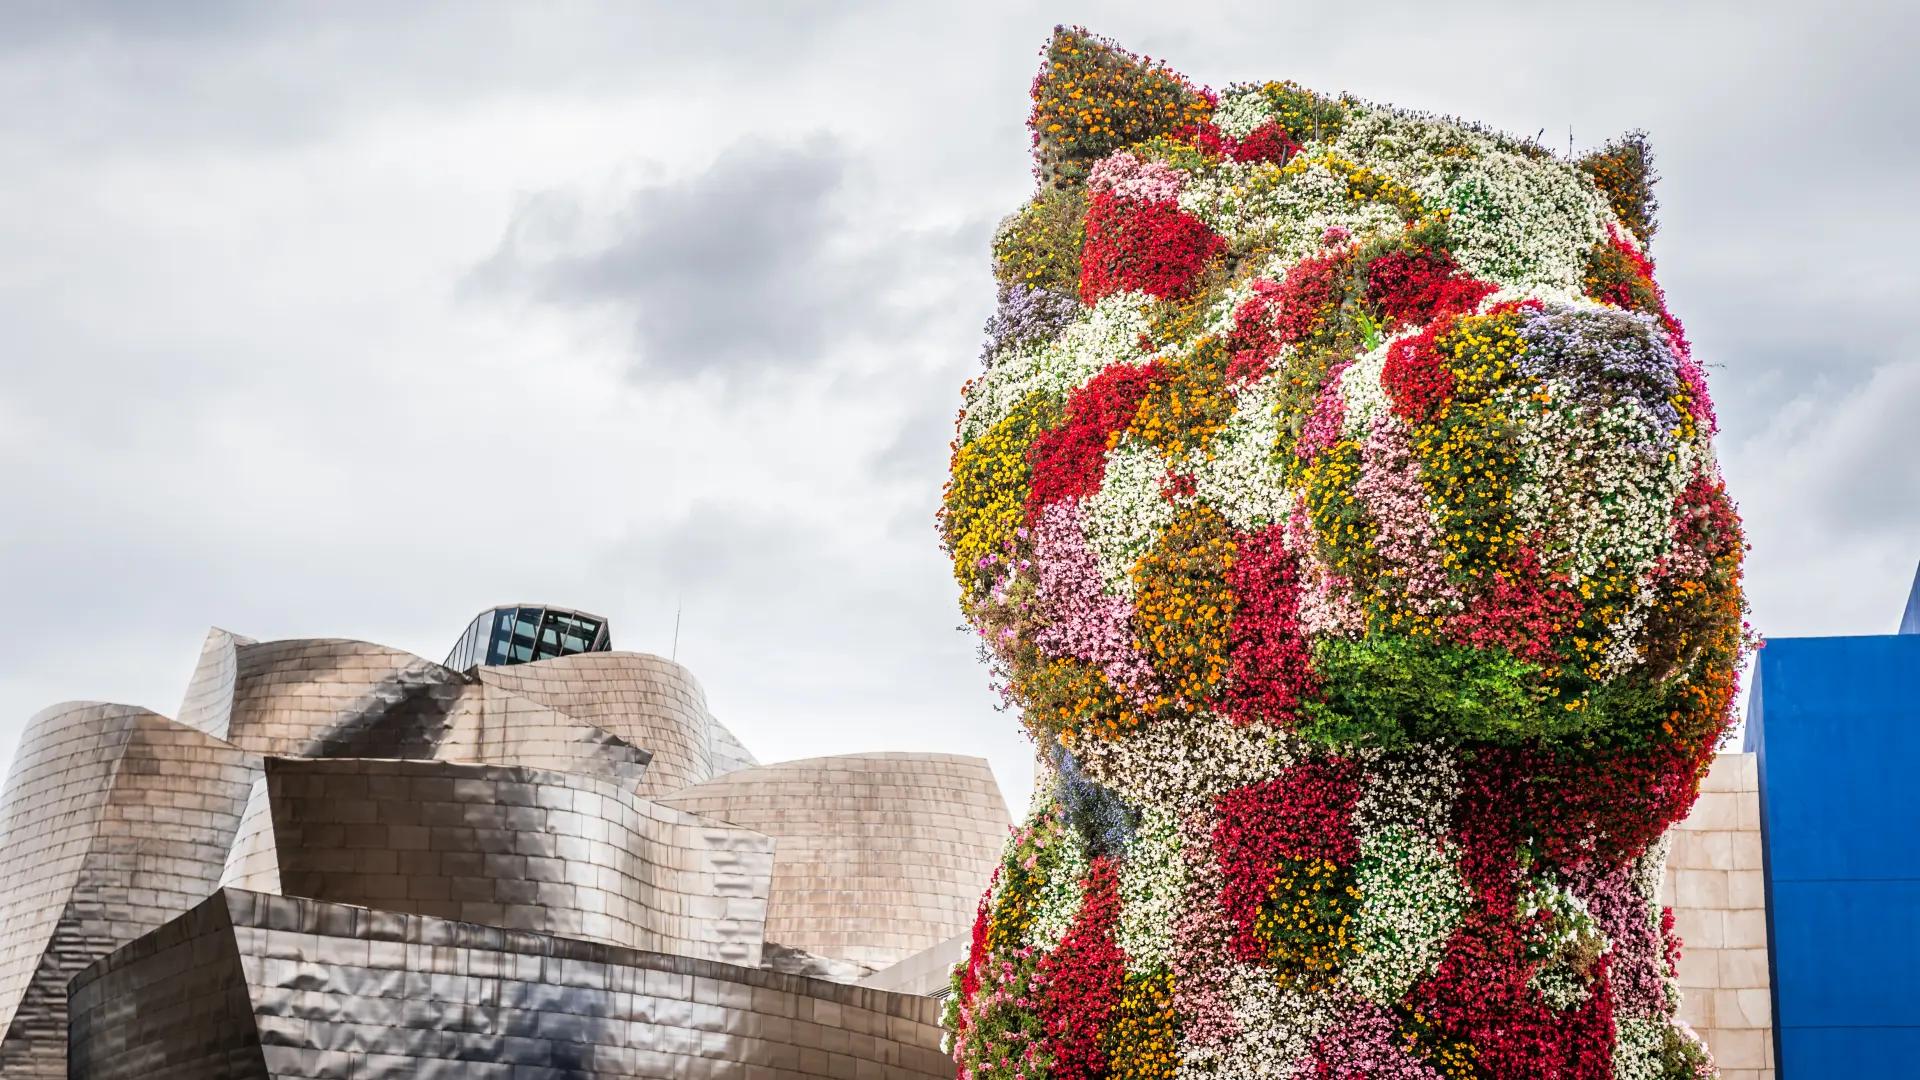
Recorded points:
(350, 320)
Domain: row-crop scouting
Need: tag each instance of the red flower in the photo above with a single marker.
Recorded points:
(1284, 312)
(1417, 287)
(1068, 461)
(1304, 813)
(1154, 247)
(1083, 979)
(1416, 376)
(1520, 612)
(1268, 142)
(1272, 666)
(1479, 997)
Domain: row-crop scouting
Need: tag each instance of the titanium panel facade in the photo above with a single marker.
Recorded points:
(349, 699)
(208, 705)
(115, 820)
(335, 991)
(644, 700)
(521, 849)
(323, 697)
(878, 855)
(1835, 726)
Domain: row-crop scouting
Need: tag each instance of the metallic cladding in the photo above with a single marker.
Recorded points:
(879, 855)
(114, 820)
(337, 991)
(424, 872)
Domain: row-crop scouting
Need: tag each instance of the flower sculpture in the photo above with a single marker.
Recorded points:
(1338, 507)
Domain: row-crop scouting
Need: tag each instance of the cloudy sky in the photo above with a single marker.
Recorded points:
(353, 319)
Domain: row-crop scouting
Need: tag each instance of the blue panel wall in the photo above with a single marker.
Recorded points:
(1835, 726)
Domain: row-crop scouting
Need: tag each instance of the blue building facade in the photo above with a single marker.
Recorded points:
(1835, 726)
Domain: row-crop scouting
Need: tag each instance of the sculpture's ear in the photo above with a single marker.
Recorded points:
(1092, 97)
(1623, 170)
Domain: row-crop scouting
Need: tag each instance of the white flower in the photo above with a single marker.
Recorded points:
(1362, 392)
(1240, 476)
(1107, 333)
(1128, 513)
(1188, 764)
(1598, 483)
(1411, 898)
(1058, 900)
(1242, 110)
(1153, 879)
(1285, 211)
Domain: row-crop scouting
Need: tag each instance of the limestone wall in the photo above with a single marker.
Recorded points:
(1717, 890)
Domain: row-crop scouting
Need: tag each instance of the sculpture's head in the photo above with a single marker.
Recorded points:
(1313, 422)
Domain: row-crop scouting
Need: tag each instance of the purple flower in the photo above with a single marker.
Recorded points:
(1026, 316)
(1608, 356)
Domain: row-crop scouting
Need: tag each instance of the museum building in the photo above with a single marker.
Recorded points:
(542, 859)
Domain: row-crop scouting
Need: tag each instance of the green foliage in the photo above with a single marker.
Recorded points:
(1392, 691)
(1303, 114)
(1039, 246)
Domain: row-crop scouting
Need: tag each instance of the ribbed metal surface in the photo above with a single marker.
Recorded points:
(521, 849)
(341, 992)
(644, 700)
(350, 699)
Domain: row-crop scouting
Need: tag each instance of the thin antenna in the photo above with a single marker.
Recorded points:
(1569, 140)
(675, 655)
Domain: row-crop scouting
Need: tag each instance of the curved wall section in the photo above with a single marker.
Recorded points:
(521, 849)
(253, 863)
(325, 697)
(283, 988)
(54, 794)
(877, 856)
(493, 727)
(208, 705)
(651, 703)
(115, 820)
(725, 752)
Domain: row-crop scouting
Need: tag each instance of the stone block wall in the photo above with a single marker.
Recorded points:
(1717, 889)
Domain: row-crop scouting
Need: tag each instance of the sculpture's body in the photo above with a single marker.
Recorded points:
(1338, 506)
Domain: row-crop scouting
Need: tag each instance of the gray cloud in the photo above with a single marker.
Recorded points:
(740, 265)
(758, 263)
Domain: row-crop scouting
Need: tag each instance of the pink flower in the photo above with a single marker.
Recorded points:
(1127, 177)
(1082, 620)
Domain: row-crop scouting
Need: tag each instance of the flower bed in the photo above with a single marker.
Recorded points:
(1338, 506)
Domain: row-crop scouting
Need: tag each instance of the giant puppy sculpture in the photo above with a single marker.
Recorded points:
(1338, 507)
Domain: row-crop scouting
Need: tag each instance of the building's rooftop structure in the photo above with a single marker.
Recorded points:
(522, 633)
